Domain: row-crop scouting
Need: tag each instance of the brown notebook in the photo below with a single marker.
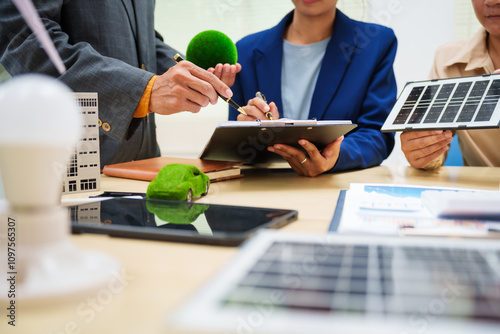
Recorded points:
(147, 169)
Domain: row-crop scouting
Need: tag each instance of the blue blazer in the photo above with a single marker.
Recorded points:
(356, 82)
(104, 44)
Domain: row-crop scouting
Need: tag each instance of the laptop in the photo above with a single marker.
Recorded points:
(295, 283)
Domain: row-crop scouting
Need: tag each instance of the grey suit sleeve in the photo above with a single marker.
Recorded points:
(164, 55)
(119, 86)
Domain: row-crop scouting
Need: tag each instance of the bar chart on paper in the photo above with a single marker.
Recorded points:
(387, 209)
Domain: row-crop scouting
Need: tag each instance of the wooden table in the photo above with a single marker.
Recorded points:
(159, 276)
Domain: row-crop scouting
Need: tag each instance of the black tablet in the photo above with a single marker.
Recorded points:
(175, 221)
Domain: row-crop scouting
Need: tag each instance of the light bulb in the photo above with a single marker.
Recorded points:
(40, 124)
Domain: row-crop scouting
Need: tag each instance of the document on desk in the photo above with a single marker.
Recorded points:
(390, 209)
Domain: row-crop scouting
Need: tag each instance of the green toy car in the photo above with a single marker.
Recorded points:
(178, 182)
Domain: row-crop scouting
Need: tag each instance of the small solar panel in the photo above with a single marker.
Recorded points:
(456, 103)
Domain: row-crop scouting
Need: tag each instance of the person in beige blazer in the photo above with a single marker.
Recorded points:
(476, 56)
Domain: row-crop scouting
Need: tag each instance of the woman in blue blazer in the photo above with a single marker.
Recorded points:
(355, 81)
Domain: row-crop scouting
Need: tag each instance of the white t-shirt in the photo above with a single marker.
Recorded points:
(299, 73)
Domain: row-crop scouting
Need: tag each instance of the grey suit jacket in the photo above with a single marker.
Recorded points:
(104, 44)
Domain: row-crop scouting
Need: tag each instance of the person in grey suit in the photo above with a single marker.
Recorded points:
(111, 47)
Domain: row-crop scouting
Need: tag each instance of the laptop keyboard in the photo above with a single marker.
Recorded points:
(405, 280)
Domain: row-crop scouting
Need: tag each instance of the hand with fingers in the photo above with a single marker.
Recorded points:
(421, 148)
(257, 109)
(313, 162)
(226, 72)
(186, 87)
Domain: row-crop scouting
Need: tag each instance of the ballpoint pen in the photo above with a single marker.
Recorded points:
(119, 194)
(178, 58)
(268, 114)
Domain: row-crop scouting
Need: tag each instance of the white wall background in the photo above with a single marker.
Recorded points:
(420, 25)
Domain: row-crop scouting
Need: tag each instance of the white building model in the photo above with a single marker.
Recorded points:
(83, 172)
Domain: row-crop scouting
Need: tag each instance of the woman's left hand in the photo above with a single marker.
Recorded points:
(314, 162)
(226, 72)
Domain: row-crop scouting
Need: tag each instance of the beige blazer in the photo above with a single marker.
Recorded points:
(468, 58)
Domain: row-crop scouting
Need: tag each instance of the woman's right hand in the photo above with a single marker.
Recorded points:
(422, 147)
(257, 108)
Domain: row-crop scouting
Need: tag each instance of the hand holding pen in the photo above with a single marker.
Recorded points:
(233, 104)
(185, 87)
(258, 108)
(268, 114)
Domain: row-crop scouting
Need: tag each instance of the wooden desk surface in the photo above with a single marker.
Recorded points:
(160, 276)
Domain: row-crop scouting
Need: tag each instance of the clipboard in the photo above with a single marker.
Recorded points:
(247, 141)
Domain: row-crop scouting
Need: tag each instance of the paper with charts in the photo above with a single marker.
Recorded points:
(390, 209)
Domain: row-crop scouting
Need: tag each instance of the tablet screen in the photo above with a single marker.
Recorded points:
(175, 221)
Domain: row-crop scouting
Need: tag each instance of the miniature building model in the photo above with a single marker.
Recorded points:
(83, 168)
